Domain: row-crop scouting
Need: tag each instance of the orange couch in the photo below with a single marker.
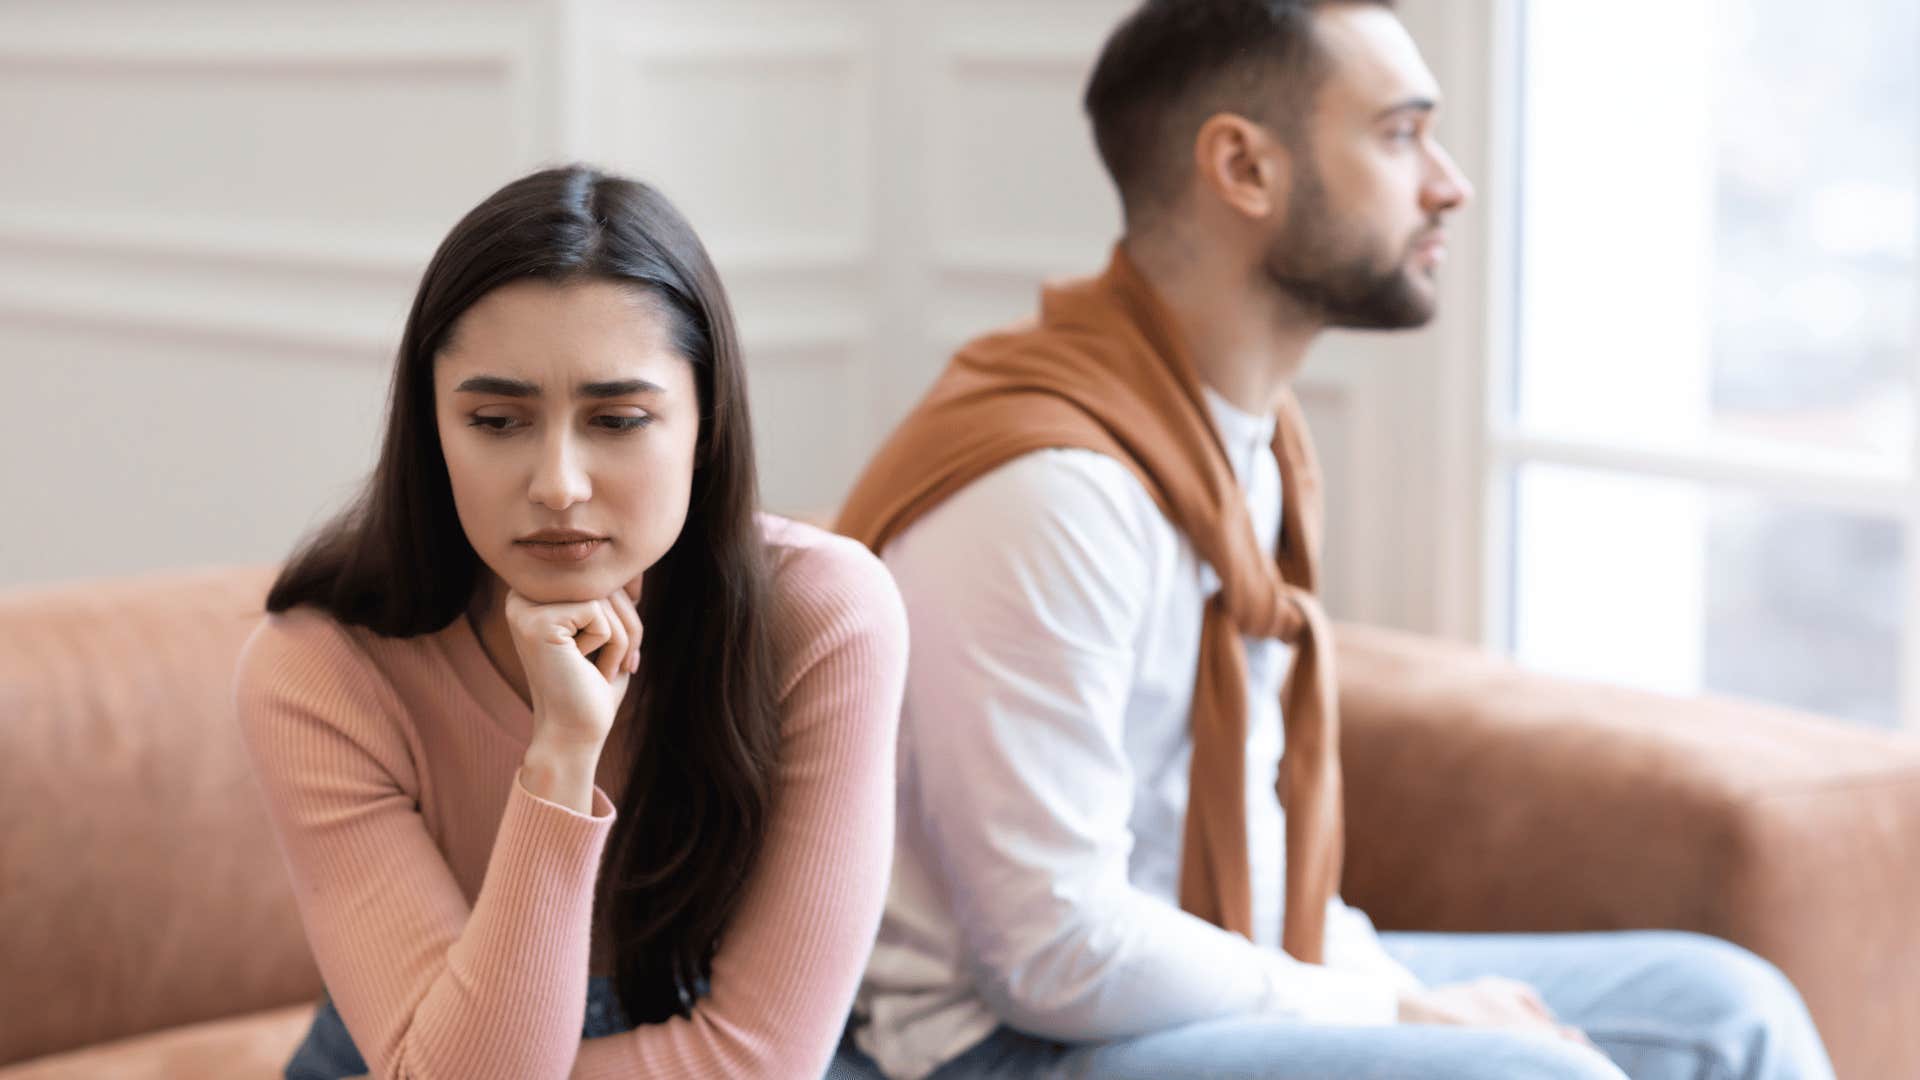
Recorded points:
(1481, 797)
(149, 927)
(149, 930)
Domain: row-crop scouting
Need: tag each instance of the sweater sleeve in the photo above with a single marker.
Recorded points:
(787, 967)
(427, 986)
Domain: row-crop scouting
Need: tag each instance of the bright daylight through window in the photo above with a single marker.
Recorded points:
(1711, 432)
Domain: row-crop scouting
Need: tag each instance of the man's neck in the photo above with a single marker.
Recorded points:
(1247, 344)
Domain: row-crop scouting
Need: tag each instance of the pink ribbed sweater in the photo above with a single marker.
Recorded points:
(451, 911)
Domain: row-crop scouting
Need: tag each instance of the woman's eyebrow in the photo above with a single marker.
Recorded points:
(498, 387)
(619, 388)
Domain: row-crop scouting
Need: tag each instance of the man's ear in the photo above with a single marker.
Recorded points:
(1242, 165)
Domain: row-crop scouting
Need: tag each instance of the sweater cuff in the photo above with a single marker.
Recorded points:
(542, 844)
(602, 805)
(539, 890)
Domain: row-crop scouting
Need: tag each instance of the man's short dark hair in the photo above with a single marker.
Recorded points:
(1173, 63)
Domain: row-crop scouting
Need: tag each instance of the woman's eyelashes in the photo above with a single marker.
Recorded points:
(623, 423)
(495, 424)
(618, 424)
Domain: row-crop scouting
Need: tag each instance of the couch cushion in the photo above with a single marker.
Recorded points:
(141, 887)
(1483, 797)
(241, 1048)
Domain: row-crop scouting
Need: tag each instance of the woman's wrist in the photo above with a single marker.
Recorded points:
(561, 772)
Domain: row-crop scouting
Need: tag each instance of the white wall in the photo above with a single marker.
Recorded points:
(211, 221)
(212, 217)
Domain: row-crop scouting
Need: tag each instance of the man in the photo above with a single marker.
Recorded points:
(1105, 527)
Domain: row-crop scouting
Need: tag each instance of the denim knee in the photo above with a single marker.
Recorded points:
(1542, 1057)
(1737, 983)
(1748, 1009)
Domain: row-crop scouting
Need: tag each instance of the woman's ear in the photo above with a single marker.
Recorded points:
(1242, 166)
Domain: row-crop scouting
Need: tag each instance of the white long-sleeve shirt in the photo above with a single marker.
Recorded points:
(1055, 619)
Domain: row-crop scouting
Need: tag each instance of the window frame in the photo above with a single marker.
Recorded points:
(1813, 477)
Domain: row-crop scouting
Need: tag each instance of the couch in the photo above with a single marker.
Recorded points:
(149, 930)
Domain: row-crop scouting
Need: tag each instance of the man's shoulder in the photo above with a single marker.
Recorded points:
(1044, 509)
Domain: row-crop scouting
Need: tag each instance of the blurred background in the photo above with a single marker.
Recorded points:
(1662, 432)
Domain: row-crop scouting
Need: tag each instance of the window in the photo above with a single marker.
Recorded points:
(1707, 439)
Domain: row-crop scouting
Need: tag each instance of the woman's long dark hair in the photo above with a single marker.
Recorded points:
(700, 781)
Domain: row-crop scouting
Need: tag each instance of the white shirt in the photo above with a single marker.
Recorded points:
(1044, 746)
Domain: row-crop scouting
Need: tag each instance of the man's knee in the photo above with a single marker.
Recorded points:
(1542, 1057)
(1729, 981)
(1746, 1007)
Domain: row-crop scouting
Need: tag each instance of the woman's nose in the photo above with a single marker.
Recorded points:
(559, 478)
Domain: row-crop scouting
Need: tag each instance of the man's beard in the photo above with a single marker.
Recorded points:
(1329, 269)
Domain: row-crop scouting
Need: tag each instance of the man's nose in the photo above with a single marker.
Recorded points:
(1447, 188)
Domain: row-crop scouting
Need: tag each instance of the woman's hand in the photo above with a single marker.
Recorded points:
(579, 658)
(1490, 1002)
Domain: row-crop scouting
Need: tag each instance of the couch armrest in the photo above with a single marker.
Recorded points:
(1483, 797)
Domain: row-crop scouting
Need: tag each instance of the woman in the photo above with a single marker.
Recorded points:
(554, 600)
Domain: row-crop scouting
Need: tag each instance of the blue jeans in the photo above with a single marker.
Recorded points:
(328, 1052)
(1660, 1005)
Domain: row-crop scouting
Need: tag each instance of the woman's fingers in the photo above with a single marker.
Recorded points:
(629, 618)
(605, 631)
(580, 625)
(591, 626)
(612, 659)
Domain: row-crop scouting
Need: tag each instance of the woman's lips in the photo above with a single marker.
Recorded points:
(564, 551)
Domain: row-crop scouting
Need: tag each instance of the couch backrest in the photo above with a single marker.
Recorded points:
(140, 883)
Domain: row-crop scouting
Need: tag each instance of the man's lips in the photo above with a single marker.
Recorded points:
(1430, 248)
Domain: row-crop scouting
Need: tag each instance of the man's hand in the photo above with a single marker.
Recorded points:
(1489, 1002)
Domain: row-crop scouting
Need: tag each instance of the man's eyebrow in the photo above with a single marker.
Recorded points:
(498, 387)
(620, 388)
(1412, 104)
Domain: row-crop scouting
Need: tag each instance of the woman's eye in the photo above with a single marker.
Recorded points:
(492, 423)
(623, 423)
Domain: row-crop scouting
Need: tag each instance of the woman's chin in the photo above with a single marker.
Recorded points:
(565, 587)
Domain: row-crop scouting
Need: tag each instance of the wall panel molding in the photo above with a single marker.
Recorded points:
(283, 244)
